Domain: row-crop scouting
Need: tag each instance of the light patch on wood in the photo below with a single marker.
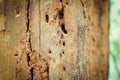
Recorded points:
(1, 1)
(2, 22)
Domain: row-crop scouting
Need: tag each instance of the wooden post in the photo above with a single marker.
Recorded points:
(54, 39)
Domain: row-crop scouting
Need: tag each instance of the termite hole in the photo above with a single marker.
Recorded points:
(63, 43)
(49, 51)
(64, 68)
(16, 54)
(63, 52)
(63, 28)
(60, 79)
(17, 12)
(60, 0)
(67, 3)
(61, 14)
(47, 18)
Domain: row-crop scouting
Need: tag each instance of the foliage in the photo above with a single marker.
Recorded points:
(114, 67)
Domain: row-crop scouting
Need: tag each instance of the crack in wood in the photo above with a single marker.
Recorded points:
(30, 65)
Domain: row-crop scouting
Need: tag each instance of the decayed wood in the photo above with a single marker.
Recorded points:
(54, 39)
(63, 39)
(98, 21)
(14, 14)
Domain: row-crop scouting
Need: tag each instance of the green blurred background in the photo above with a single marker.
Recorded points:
(114, 60)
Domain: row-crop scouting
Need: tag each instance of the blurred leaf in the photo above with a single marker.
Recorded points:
(118, 11)
(114, 72)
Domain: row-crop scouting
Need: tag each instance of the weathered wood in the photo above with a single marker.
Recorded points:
(98, 21)
(64, 35)
(54, 39)
(14, 22)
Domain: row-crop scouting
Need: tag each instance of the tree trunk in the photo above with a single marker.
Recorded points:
(54, 39)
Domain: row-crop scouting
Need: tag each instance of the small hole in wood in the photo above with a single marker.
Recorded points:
(17, 13)
(60, 79)
(61, 13)
(63, 52)
(84, 13)
(54, 17)
(64, 68)
(16, 54)
(60, 0)
(47, 18)
(66, 2)
(63, 28)
(63, 43)
(49, 51)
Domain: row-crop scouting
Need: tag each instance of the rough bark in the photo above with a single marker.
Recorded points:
(54, 39)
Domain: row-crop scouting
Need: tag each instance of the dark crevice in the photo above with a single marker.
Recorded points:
(63, 28)
(31, 54)
(54, 17)
(16, 54)
(63, 43)
(60, 0)
(32, 74)
(82, 3)
(48, 72)
(47, 18)
(17, 11)
(49, 51)
(64, 68)
(30, 43)
(62, 52)
(60, 79)
(84, 13)
(28, 16)
(28, 59)
(29, 40)
(67, 2)
(61, 13)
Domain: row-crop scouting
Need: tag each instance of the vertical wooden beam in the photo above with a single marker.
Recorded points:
(98, 22)
(64, 39)
(13, 15)
(51, 39)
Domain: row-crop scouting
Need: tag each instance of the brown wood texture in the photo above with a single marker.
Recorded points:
(98, 21)
(54, 39)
